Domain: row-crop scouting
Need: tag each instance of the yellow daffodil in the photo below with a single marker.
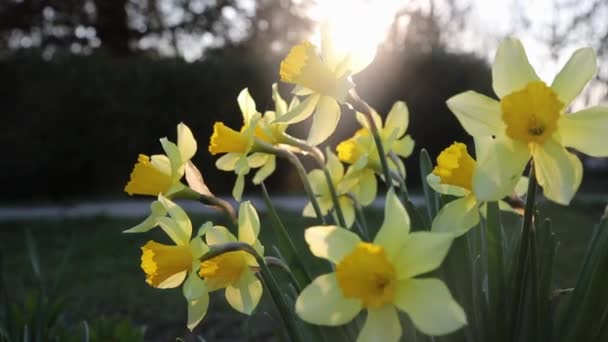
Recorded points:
(361, 184)
(381, 277)
(162, 174)
(530, 121)
(360, 150)
(453, 176)
(239, 147)
(168, 266)
(324, 77)
(234, 271)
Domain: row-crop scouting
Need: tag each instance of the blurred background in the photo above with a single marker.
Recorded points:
(87, 85)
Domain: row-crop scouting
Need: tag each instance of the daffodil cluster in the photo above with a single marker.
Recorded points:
(393, 272)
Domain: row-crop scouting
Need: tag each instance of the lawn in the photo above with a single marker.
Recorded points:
(103, 278)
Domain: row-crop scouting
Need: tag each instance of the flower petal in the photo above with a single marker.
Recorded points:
(265, 171)
(330, 242)
(499, 170)
(228, 161)
(197, 308)
(300, 112)
(404, 146)
(457, 217)
(396, 226)
(586, 131)
(348, 210)
(578, 71)
(397, 119)
(219, 234)
(558, 171)
(445, 189)
(381, 325)
(239, 186)
(318, 183)
(257, 159)
(324, 121)
(323, 303)
(185, 142)
(249, 223)
(430, 306)
(511, 70)
(179, 215)
(335, 167)
(422, 252)
(175, 156)
(247, 105)
(367, 187)
(157, 210)
(478, 114)
(173, 281)
(194, 287)
(280, 106)
(245, 296)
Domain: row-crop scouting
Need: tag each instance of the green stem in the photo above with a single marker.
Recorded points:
(221, 205)
(293, 159)
(524, 246)
(316, 154)
(267, 277)
(362, 107)
(362, 221)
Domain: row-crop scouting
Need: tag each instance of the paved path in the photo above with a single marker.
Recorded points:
(136, 208)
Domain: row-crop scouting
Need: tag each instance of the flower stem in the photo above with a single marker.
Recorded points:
(271, 283)
(362, 107)
(221, 205)
(320, 160)
(519, 282)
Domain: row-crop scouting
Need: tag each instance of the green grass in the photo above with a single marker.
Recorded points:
(103, 278)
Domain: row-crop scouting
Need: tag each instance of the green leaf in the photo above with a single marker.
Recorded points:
(496, 276)
(431, 197)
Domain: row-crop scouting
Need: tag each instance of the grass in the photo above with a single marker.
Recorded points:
(103, 278)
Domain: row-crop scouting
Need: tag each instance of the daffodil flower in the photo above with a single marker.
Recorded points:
(361, 184)
(168, 266)
(530, 121)
(453, 176)
(381, 277)
(162, 174)
(324, 78)
(239, 147)
(234, 271)
(361, 151)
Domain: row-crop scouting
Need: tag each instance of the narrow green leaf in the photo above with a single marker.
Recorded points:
(496, 276)
(431, 197)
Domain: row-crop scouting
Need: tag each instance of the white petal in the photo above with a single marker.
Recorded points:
(249, 223)
(558, 171)
(330, 242)
(335, 167)
(348, 210)
(322, 303)
(185, 142)
(578, 71)
(173, 281)
(398, 119)
(246, 104)
(396, 226)
(367, 187)
(422, 252)
(586, 131)
(280, 106)
(197, 309)
(381, 325)
(257, 159)
(239, 186)
(324, 121)
(511, 70)
(478, 114)
(457, 217)
(404, 146)
(245, 296)
(174, 154)
(173, 230)
(162, 163)
(430, 305)
(499, 171)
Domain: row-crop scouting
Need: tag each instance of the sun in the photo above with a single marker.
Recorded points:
(357, 26)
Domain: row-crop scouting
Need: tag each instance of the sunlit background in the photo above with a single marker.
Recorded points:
(101, 80)
(87, 85)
